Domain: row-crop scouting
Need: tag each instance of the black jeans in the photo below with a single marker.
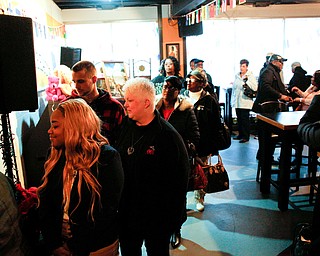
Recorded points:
(243, 123)
(156, 244)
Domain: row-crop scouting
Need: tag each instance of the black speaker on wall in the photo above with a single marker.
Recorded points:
(69, 56)
(18, 86)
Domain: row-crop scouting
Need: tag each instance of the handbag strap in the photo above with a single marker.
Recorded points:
(219, 159)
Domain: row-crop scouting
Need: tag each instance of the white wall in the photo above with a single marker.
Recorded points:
(228, 41)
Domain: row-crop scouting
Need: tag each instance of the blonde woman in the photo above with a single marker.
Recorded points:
(82, 185)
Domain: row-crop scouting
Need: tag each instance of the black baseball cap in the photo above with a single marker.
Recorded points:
(197, 61)
(277, 57)
(174, 81)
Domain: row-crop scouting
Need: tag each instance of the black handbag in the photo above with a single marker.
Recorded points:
(223, 139)
(217, 176)
(249, 92)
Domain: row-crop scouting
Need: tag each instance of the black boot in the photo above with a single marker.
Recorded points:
(175, 239)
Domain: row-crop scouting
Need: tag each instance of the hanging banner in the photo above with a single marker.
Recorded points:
(224, 6)
(218, 7)
(233, 3)
(211, 11)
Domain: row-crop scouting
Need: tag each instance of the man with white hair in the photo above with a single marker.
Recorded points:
(299, 79)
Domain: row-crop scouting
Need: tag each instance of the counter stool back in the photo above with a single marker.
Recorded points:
(273, 107)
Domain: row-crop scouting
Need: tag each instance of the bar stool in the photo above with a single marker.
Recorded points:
(273, 107)
(313, 164)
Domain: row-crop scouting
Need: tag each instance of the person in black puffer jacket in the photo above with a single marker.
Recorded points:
(179, 113)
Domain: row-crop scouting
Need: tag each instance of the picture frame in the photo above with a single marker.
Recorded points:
(173, 50)
(112, 75)
(142, 68)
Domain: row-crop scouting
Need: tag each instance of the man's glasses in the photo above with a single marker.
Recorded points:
(192, 80)
(169, 88)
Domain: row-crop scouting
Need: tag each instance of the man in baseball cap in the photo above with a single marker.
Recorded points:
(198, 63)
(271, 87)
(277, 57)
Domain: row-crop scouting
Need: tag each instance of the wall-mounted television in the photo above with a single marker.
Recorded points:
(189, 30)
(181, 7)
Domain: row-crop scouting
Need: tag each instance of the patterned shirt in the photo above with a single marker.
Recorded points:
(110, 111)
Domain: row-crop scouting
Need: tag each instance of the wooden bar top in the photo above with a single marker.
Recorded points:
(282, 120)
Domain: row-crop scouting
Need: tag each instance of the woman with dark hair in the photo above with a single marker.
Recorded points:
(179, 113)
(82, 185)
(307, 96)
(242, 103)
(170, 66)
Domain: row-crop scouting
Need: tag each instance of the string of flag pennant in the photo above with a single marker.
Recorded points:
(210, 10)
(57, 31)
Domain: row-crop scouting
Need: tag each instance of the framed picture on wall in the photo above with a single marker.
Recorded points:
(173, 50)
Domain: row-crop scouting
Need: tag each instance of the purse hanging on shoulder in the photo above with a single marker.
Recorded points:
(223, 139)
(249, 92)
(217, 176)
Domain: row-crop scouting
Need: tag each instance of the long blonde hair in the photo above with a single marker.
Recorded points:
(82, 149)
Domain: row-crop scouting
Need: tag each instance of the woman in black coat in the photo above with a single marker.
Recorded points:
(179, 113)
(207, 110)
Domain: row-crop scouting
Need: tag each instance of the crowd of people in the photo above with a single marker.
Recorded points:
(111, 166)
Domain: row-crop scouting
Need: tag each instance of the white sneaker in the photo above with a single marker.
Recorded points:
(199, 198)
(200, 206)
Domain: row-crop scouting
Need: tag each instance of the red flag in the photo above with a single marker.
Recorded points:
(211, 11)
(233, 3)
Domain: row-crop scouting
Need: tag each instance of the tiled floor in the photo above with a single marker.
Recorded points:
(240, 221)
